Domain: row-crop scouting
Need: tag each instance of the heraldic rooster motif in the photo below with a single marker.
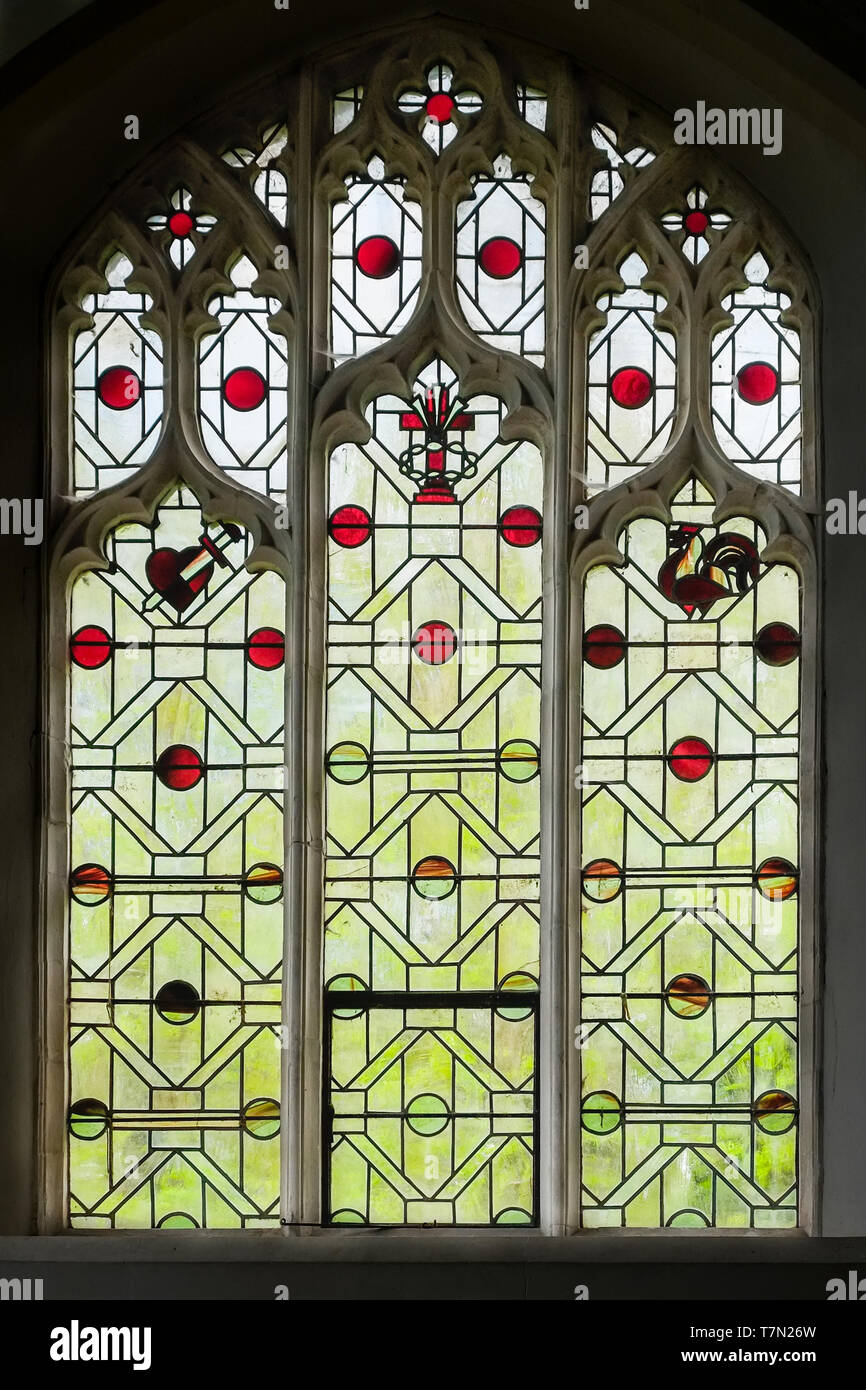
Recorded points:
(696, 575)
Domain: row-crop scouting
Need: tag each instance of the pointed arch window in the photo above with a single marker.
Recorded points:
(430, 832)
(695, 586)
(690, 876)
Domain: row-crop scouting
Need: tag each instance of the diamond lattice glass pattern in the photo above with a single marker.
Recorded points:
(176, 921)
(689, 878)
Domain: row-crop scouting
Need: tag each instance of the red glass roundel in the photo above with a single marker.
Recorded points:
(757, 383)
(603, 647)
(377, 257)
(440, 106)
(266, 648)
(697, 222)
(180, 224)
(244, 388)
(350, 526)
(500, 257)
(690, 759)
(520, 526)
(179, 767)
(119, 388)
(90, 647)
(777, 644)
(631, 387)
(435, 643)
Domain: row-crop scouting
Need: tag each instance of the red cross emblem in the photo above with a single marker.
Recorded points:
(435, 417)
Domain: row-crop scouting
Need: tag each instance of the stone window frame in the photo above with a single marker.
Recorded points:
(544, 405)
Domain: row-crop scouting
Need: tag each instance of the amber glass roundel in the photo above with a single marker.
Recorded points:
(263, 883)
(261, 1117)
(774, 1112)
(519, 760)
(119, 388)
(348, 762)
(377, 257)
(179, 767)
(603, 646)
(602, 880)
(631, 387)
(90, 884)
(500, 257)
(757, 383)
(688, 996)
(776, 879)
(690, 759)
(244, 388)
(434, 877)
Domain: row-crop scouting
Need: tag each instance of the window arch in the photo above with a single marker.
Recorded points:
(381, 510)
(696, 574)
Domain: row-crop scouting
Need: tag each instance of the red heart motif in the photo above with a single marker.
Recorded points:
(163, 569)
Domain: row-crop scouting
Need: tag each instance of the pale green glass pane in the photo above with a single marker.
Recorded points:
(433, 1118)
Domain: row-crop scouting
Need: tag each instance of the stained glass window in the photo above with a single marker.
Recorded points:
(689, 877)
(176, 923)
(500, 261)
(345, 108)
(181, 226)
(439, 106)
(756, 379)
(117, 382)
(532, 105)
(347, 336)
(631, 381)
(267, 179)
(607, 181)
(243, 385)
(432, 934)
(375, 261)
(693, 223)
